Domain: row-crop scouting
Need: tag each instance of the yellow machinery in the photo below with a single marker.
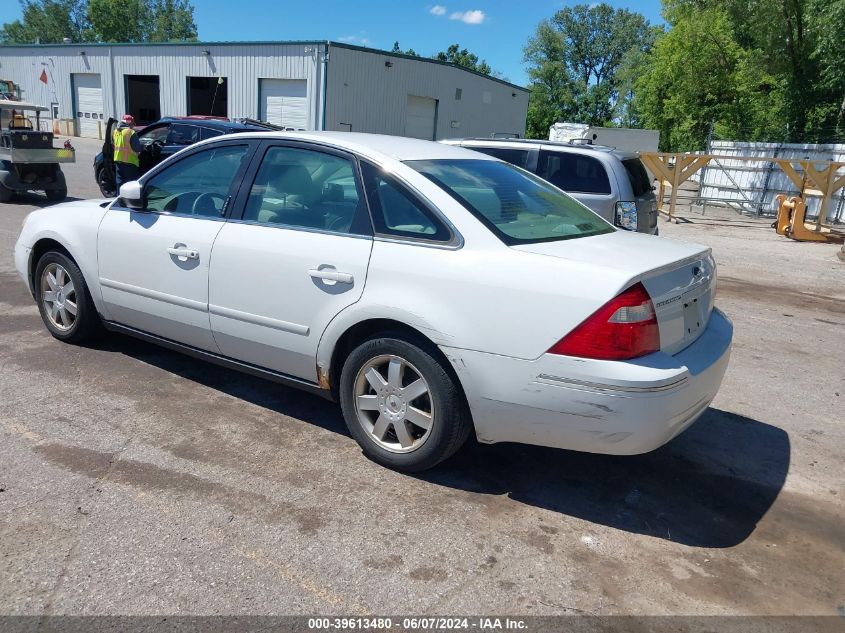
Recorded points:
(784, 215)
(791, 222)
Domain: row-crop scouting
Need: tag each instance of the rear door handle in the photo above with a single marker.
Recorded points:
(183, 252)
(330, 274)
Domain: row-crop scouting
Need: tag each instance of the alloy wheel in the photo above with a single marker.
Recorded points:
(393, 403)
(58, 296)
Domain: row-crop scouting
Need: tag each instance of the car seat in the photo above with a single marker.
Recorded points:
(283, 195)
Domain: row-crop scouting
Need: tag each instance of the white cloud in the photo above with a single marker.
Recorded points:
(354, 39)
(437, 9)
(469, 17)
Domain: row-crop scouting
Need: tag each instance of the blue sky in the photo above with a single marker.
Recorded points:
(495, 30)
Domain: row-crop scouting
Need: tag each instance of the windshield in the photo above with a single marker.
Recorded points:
(518, 207)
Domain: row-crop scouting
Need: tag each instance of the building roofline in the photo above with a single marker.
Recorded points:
(354, 47)
(197, 43)
(430, 60)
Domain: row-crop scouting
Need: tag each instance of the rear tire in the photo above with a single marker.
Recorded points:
(5, 193)
(56, 195)
(401, 405)
(63, 299)
(106, 188)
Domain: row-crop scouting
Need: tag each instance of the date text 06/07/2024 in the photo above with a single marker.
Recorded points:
(417, 624)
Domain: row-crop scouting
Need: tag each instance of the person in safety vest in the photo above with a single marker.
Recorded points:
(126, 150)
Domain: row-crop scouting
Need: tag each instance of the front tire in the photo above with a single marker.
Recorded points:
(5, 193)
(56, 195)
(107, 188)
(401, 405)
(63, 299)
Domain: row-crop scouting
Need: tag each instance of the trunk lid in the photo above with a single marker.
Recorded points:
(680, 277)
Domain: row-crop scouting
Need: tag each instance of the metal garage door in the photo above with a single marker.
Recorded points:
(421, 117)
(88, 100)
(285, 102)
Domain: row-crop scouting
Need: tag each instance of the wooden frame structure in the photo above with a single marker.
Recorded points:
(673, 169)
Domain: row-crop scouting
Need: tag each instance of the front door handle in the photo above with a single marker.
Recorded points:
(183, 253)
(329, 274)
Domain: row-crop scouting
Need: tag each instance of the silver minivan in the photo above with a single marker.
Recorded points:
(613, 183)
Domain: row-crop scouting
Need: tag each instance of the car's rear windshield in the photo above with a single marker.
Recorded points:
(518, 207)
(637, 174)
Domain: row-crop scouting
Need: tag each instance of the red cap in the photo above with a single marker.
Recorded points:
(128, 118)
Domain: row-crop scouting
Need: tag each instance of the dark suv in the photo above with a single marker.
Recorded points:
(613, 183)
(166, 137)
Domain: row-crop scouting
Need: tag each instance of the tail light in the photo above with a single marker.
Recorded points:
(626, 215)
(624, 328)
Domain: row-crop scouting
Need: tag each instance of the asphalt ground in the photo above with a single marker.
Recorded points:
(134, 480)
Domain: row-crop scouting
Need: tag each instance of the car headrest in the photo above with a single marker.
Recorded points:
(291, 182)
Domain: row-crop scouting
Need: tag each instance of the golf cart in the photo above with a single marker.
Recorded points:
(28, 160)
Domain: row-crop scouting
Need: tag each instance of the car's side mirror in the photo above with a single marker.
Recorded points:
(132, 194)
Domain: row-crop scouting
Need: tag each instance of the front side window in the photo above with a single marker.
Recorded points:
(181, 134)
(155, 134)
(396, 211)
(307, 189)
(196, 185)
(574, 172)
(518, 207)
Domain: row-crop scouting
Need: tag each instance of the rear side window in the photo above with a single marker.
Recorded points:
(302, 188)
(518, 157)
(574, 173)
(397, 211)
(207, 132)
(637, 174)
(183, 134)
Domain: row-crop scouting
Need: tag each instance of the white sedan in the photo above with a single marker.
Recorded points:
(432, 290)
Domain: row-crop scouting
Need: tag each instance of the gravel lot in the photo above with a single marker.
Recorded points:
(137, 481)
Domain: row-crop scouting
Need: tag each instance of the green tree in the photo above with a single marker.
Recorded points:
(575, 61)
(47, 22)
(552, 96)
(692, 81)
(173, 21)
(50, 21)
(634, 64)
(462, 57)
(829, 53)
(792, 71)
(120, 20)
(398, 49)
(779, 31)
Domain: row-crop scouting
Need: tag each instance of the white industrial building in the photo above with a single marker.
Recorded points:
(312, 85)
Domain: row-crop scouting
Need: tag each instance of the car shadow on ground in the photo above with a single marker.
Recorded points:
(272, 396)
(39, 200)
(709, 487)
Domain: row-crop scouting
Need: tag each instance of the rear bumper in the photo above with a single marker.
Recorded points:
(618, 408)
